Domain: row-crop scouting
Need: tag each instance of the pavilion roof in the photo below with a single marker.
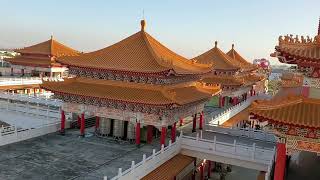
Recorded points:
(32, 61)
(120, 91)
(218, 59)
(170, 169)
(244, 64)
(292, 110)
(51, 48)
(139, 53)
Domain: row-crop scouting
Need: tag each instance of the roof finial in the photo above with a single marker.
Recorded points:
(143, 24)
(232, 46)
(319, 27)
(51, 37)
(215, 43)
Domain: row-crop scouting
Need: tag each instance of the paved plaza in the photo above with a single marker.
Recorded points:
(68, 157)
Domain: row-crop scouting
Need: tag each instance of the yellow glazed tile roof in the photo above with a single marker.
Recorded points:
(294, 110)
(244, 64)
(138, 53)
(50, 47)
(132, 92)
(170, 169)
(233, 80)
(31, 61)
(218, 59)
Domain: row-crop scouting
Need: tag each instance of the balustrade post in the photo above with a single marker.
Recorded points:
(120, 172)
(153, 153)
(170, 142)
(201, 134)
(132, 167)
(235, 145)
(105, 178)
(144, 158)
(253, 151)
(197, 137)
(162, 148)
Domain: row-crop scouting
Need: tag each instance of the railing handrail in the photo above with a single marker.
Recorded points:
(227, 144)
(155, 156)
(233, 110)
(250, 133)
(250, 155)
(31, 99)
(236, 150)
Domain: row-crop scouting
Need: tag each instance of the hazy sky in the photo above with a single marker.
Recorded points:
(188, 27)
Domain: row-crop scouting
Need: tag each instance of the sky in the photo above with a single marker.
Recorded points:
(188, 27)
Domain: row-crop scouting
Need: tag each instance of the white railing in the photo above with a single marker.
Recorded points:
(137, 171)
(12, 134)
(251, 153)
(26, 80)
(44, 111)
(234, 150)
(20, 81)
(32, 99)
(250, 133)
(232, 111)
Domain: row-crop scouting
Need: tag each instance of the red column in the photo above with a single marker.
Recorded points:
(181, 121)
(79, 121)
(194, 123)
(220, 101)
(305, 91)
(201, 172)
(223, 101)
(173, 132)
(97, 122)
(11, 71)
(82, 125)
(149, 134)
(138, 134)
(254, 92)
(209, 168)
(201, 120)
(163, 136)
(251, 92)
(63, 122)
(280, 162)
(233, 101)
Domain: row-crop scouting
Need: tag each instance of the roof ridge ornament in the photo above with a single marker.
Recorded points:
(51, 37)
(232, 46)
(143, 24)
(216, 44)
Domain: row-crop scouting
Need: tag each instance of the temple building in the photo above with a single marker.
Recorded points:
(40, 59)
(293, 114)
(236, 76)
(135, 88)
